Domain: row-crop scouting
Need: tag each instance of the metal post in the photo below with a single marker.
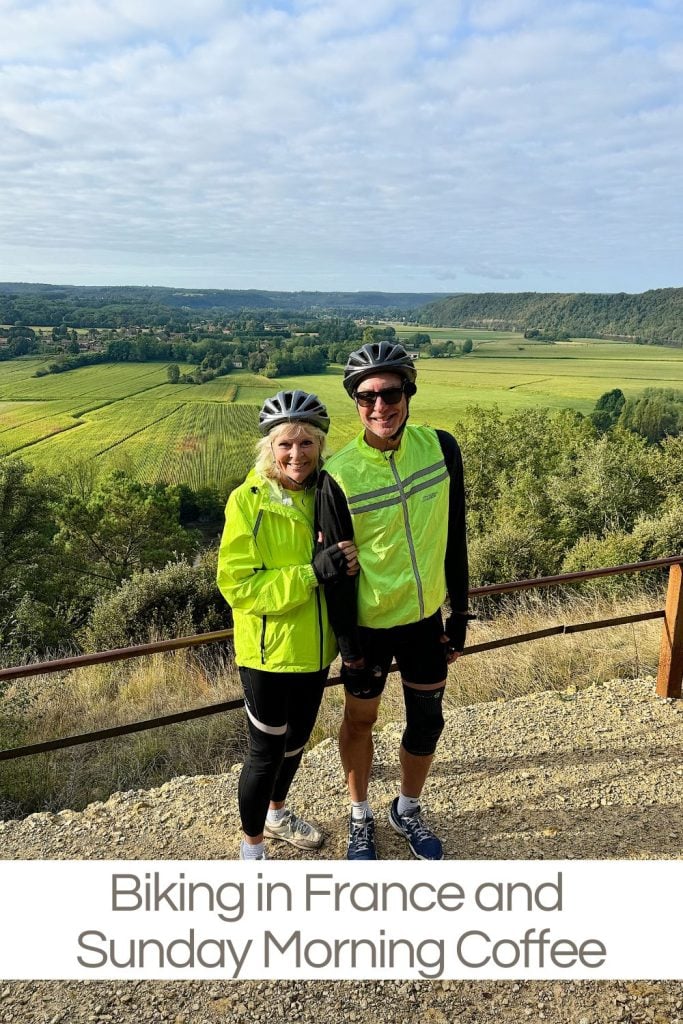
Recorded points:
(670, 673)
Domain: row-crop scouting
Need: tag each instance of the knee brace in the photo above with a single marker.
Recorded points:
(424, 720)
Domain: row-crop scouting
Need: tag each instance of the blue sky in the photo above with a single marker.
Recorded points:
(400, 145)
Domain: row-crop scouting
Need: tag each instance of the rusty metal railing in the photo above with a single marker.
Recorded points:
(669, 677)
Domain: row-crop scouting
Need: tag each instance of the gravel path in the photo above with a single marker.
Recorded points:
(596, 774)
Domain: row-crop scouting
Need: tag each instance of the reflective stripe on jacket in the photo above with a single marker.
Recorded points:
(399, 504)
(265, 575)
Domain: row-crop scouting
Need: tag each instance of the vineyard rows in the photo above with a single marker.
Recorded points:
(24, 424)
(128, 416)
(101, 431)
(200, 444)
(219, 390)
(112, 381)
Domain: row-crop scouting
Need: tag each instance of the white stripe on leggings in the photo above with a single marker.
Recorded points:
(272, 730)
(293, 753)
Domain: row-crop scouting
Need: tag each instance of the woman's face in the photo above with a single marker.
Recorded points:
(296, 452)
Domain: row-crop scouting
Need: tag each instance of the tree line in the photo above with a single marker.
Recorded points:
(113, 307)
(272, 354)
(652, 316)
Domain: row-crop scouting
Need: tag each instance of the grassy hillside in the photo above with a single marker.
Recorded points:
(654, 315)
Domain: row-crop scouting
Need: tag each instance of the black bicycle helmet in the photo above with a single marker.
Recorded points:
(293, 407)
(378, 357)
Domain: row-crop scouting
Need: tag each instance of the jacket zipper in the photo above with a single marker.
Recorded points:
(263, 639)
(409, 536)
(320, 626)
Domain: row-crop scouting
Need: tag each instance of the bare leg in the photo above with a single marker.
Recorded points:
(414, 771)
(355, 743)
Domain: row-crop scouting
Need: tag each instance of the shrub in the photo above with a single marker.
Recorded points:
(615, 548)
(177, 600)
(510, 552)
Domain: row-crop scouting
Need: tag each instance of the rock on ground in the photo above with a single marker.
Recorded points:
(592, 775)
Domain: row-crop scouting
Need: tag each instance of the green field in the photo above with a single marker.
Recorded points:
(126, 415)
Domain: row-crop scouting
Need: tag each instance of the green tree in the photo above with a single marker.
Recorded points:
(607, 410)
(257, 361)
(513, 460)
(122, 527)
(373, 334)
(656, 414)
(612, 482)
(467, 346)
(26, 525)
(33, 590)
(513, 551)
(617, 547)
(417, 340)
(173, 373)
(668, 465)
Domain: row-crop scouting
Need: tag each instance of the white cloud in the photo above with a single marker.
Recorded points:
(289, 145)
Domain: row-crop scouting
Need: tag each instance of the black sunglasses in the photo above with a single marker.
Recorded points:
(390, 396)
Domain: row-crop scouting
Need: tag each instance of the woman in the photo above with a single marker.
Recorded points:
(283, 642)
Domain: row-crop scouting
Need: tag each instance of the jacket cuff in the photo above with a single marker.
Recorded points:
(308, 575)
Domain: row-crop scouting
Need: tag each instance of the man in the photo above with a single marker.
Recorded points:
(397, 491)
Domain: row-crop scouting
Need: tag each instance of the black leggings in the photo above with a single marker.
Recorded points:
(281, 711)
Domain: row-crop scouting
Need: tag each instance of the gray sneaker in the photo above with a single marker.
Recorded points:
(294, 830)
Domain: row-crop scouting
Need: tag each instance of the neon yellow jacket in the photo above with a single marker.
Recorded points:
(399, 503)
(265, 575)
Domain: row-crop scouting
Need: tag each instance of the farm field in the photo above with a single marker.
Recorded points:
(128, 416)
(457, 333)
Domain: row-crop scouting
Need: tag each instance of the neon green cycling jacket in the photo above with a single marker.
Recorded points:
(265, 575)
(398, 501)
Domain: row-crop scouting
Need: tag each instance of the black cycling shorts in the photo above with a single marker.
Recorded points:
(417, 648)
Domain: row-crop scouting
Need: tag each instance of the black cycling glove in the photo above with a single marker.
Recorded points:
(329, 564)
(359, 680)
(456, 630)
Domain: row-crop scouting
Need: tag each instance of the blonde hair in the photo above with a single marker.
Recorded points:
(265, 463)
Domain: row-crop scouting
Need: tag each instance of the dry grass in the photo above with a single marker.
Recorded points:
(45, 707)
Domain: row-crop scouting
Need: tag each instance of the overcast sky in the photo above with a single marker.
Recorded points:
(399, 145)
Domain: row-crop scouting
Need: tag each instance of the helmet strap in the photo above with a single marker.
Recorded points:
(409, 390)
(396, 436)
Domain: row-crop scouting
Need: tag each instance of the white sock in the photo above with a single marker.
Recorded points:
(252, 852)
(276, 815)
(360, 809)
(407, 804)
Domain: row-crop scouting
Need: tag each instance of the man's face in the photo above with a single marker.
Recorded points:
(382, 419)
